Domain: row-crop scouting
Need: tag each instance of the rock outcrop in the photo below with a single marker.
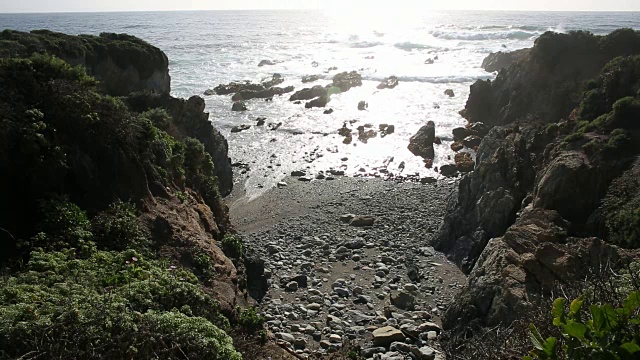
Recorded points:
(122, 63)
(549, 80)
(191, 121)
(388, 83)
(543, 203)
(421, 144)
(501, 60)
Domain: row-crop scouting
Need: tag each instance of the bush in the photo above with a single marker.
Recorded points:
(250, 320)
(62, 225)
(621, 208)
(118, 228)
(626, 113)
(552, 129)
(111, 305)
(232, 246)
(607, 334)
(625, 225)
(576, 136)
(202, 263)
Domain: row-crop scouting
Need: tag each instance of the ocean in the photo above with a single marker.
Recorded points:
(208, 48)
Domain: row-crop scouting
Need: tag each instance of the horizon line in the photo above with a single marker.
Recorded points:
(278, 9)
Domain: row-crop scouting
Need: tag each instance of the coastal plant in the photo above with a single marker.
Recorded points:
(232, 246)
(64, 307)
(202, 264)
(601, 332)
(118, 228)
(62, 225)
(250, 320)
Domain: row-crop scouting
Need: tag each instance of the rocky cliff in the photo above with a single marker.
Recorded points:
(122, 63)
(551, 197)
(190, 120)
(561, 64)
(110, 207)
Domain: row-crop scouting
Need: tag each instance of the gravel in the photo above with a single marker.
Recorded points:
(358, 278)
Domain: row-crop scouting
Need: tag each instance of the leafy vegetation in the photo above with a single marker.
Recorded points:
(123, 49)
(82, 277)
(109, 305)
(250, 320)
(607, 333)
(232, 246)
(75, 141)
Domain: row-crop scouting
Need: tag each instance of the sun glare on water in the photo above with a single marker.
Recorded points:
(361, 15)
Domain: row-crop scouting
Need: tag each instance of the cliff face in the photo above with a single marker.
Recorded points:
(545, 203)
(122, 63)
(111, 201)
(547, 82)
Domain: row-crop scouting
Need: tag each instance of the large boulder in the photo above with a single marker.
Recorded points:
(464, 162)
(122, 63)
(421, 144)
(571, 186)
(499, 60)
(346, 80)
(384, 336)
(388, 83)
(321, 101)
(308, 93)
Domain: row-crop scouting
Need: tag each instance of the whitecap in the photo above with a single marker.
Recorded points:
(501, 35)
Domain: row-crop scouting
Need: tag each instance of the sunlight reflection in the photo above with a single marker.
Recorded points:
(357, 16)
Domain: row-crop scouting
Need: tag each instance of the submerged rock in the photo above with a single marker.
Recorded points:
(310, 78)
(346, 80)
(362, 105)
(239, 128)
(266, 62)
(388, 83)
(449, 93)
(321, 101)
(308, 93)
(261, 94)
(239, 106)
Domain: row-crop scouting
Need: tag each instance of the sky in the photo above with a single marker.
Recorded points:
(12, 6)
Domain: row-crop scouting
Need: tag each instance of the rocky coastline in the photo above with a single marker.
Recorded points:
(121, 194)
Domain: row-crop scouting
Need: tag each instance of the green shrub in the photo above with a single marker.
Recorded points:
(250, 320)
(552, 129)
(619, 142)
(600, 333)
(592, 147)
(625, 225)
(202, 263)
(232, 246)
(118, 228)
(576, 136)
(110, 305)
(626, 113)
(62, 225)
(158, 117)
